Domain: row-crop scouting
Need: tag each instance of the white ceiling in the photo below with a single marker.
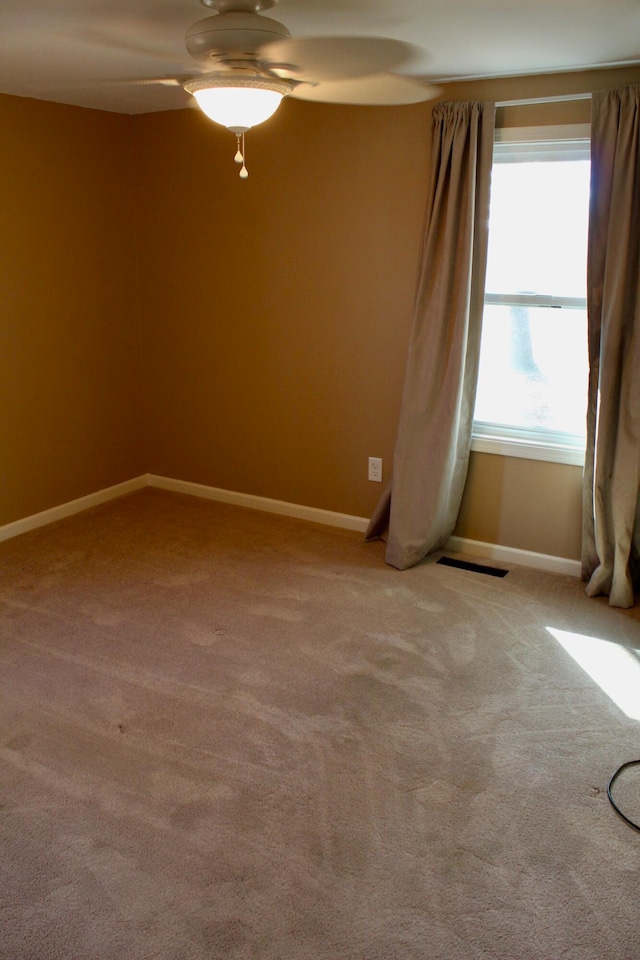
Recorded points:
(83, 51)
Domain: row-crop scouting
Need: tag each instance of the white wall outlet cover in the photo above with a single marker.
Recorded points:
(375, 469)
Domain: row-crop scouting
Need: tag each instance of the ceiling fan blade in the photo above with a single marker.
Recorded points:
(334, 58)
(110, 40)
(378, 89)
(142, 82)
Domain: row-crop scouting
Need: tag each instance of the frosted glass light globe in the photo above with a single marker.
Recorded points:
(238, 103)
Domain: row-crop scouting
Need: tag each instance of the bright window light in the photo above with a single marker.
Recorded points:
(538, 227)
(532, 384)
(615, 669)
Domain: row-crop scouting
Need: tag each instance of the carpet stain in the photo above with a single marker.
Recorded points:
(225, 936)
(19, 742)
(189, 815)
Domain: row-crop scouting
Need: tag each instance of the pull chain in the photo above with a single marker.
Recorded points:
(240, 154)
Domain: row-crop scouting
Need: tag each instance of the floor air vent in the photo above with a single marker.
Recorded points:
(474, 567)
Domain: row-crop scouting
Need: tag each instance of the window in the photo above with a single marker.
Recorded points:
(532, 388)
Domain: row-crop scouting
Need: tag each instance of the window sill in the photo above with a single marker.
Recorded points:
(529, 449)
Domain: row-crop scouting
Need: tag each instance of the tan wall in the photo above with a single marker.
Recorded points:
(529, 504)
(69, 354)
(277, 310)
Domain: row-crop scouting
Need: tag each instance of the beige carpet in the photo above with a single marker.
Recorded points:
(226, 734)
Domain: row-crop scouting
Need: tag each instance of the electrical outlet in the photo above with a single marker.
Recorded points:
(375, 469)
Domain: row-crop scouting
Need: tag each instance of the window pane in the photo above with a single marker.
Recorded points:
(538, 228)
(533, 364)
(533, 368)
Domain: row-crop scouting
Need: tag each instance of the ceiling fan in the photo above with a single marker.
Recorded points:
(251, 62)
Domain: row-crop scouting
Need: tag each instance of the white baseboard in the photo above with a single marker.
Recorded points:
(328, 517)
(473, 548)
(73, 506)
(526, 558)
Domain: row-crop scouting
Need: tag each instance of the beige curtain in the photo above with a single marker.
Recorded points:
(434, 434)
(611, 519)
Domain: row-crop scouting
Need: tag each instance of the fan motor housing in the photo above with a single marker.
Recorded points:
(232, 33)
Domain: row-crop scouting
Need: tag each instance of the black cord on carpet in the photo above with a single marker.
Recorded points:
(629, 763)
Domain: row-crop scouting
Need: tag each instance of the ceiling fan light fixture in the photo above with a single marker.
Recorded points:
(238, 103)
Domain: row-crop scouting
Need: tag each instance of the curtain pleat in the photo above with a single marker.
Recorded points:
(421, 506)
(611, 501)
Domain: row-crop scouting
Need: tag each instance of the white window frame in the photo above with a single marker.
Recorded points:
(536, 143)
